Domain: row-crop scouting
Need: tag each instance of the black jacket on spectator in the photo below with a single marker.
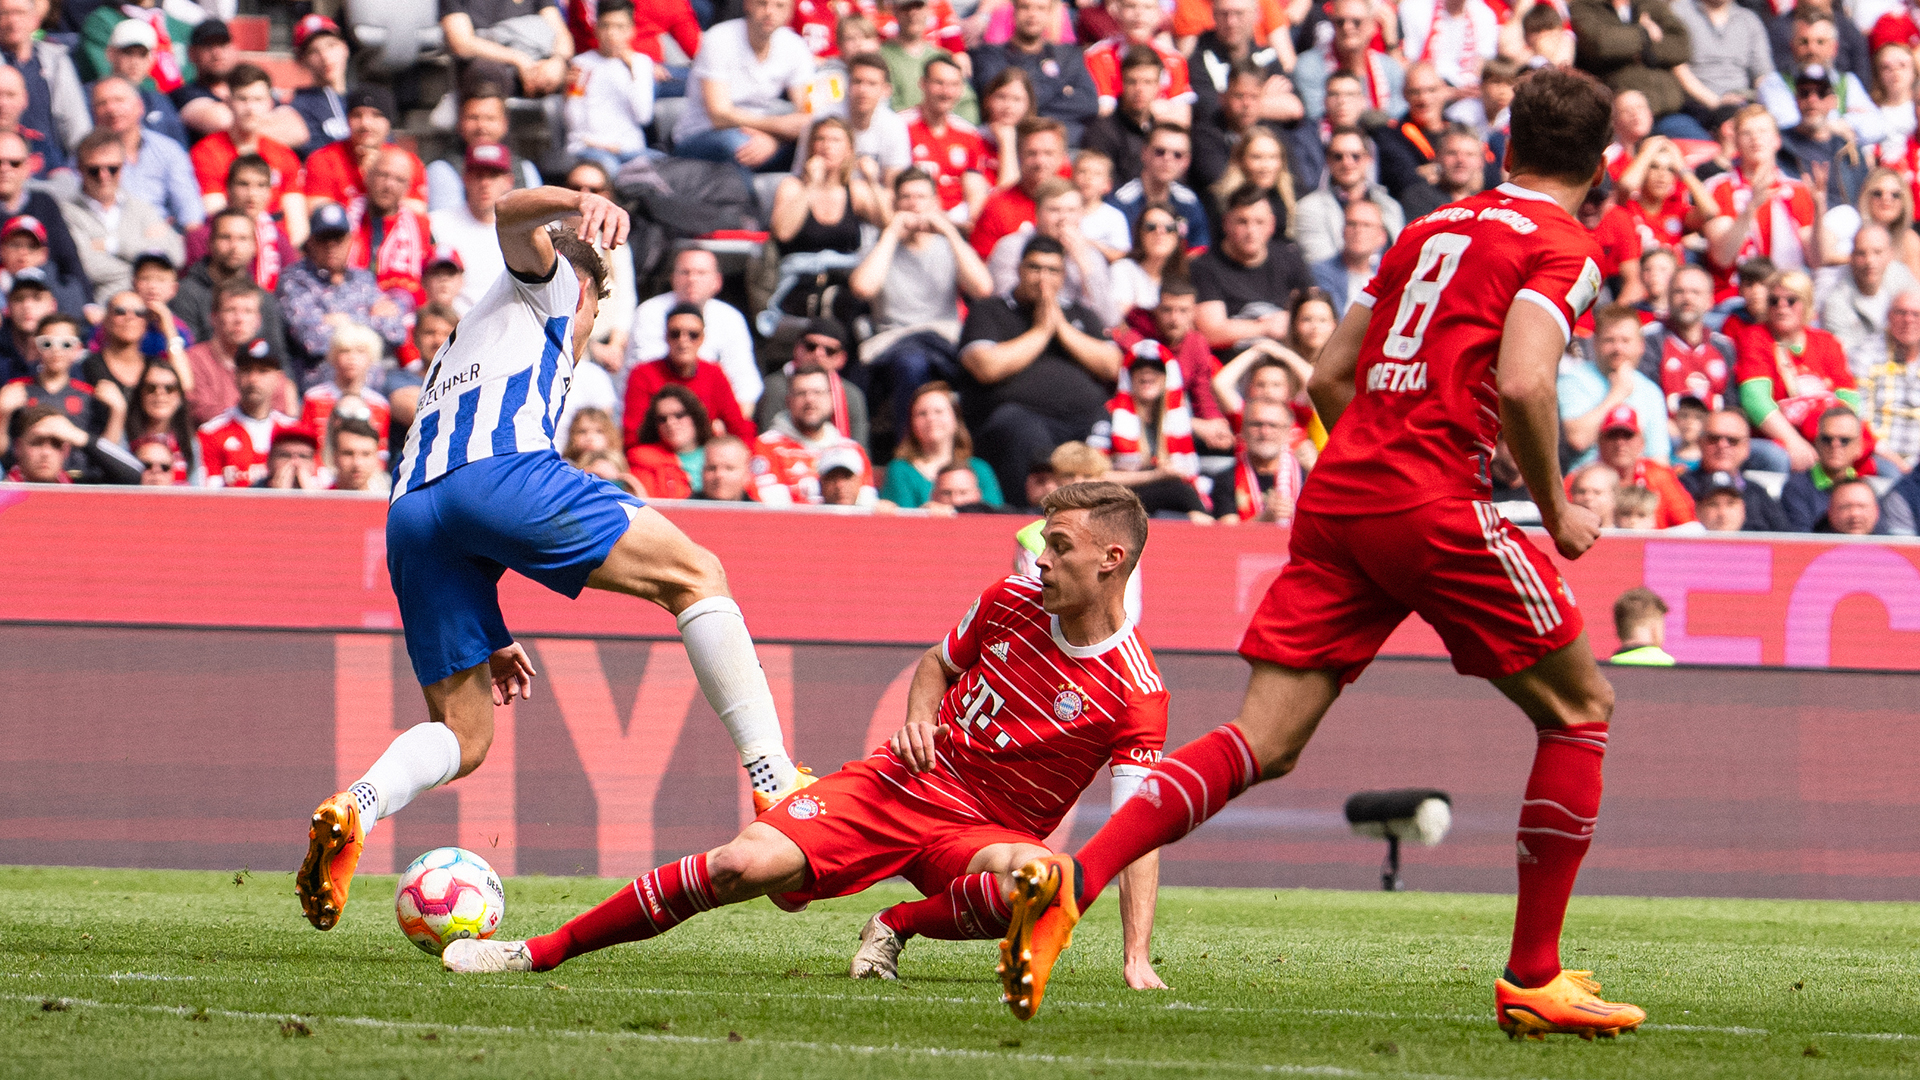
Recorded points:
(1803, 502)
(1764, 513)
(1118, 137)
(1067, 95)
(1208, 70)
(194, 306)
(1854, 55)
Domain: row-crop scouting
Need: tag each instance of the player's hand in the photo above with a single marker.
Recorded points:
(512, 673)
(602, 221)
(1140, 974)
(916, 743)
(1801, 454)
(1576, 530)
(109, 394)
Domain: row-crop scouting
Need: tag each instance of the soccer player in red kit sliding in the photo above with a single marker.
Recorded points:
(1008, 719)
(1457, 340)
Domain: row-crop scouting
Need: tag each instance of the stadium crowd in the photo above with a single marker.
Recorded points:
(1005, 242)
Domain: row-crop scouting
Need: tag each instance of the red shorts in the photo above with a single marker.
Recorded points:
(1495, 599)
(872, 820)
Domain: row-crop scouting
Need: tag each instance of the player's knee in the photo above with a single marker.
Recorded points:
(739, 870)
(473, 748)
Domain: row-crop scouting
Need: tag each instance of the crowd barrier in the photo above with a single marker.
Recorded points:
(141, 557)
(192, 672)
(208, 748)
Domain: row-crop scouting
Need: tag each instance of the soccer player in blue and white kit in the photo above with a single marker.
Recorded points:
(481, 490)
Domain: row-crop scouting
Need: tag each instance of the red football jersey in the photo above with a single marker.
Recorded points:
(948, 155)
(234, 453)
(1776, 227)
(1426, 412)
(215, 154)
(332, 172)
(1103, 63)
(1819, 369)
(1033, 717)
(1666, 227)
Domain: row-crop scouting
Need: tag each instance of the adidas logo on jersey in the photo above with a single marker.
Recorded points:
(999, 649)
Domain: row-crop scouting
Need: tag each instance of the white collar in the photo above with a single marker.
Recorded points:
(1514, 191)
(1086, 652)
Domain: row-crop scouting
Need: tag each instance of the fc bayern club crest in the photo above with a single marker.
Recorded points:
(804, 807)
(1068, 705)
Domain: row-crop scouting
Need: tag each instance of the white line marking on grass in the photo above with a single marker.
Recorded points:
(700, 1040)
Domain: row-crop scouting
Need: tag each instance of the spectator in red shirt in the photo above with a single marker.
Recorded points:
(250, 96)
(1614, 230)
(682, 366)
(238, 307)
(1042, 146)
(234, 445)
(1789, 373)
(293, 460)
(342, 382)
(337, 171)
(57, 347)
(786, 459)
(651, 19)
(669, 456)
(1623, 448)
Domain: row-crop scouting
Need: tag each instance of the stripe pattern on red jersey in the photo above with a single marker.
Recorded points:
(1541, 608)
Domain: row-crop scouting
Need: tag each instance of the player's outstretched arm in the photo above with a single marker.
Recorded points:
(1139, 890)
(1331, 387)
(1530, 415)
(916, 741)
(522, 217)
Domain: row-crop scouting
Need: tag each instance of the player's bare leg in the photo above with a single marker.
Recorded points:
(655, 561)
(1570, 704)
(760, 861)
(973, 907)
(451, 745)
(1282, 708)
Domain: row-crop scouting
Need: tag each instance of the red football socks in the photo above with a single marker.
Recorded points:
(1189, 786)
(1556, 828)
(655, 903)
(971, 909)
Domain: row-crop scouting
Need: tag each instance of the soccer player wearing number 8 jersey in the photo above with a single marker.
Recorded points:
(1455, 343)
(1008, 719)
(480, 490)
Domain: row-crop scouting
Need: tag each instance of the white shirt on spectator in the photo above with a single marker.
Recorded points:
(728, 343)
(1430, 33)
(478, 246)
(1106, 224)
(609, 101)
(752, 84)
(885, 139)
(592, 388)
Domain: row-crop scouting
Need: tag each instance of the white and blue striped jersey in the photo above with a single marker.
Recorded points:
(499, 383)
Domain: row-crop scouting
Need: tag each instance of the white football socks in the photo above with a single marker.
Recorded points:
(422, 758)
(730, 675)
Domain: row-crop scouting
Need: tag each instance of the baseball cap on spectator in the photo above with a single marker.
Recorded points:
(1621, 418)
(371, 96)
(131, 32)
(1813, 75)
(489, 155)
(840, 457)
(329, 220)
(31, 277)
(1148, 353)
(256, 353)
(24, 223)
(828, 328)
(311, 27)
(210, 32)
(153, 258)
(446, 257)
(295, 433)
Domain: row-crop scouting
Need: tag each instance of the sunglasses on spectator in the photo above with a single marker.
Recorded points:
(1839, 440)
(158, 466)
(1160, 227)
(126, 311)
(828, 347)
(57, 342)
(1813, 90)
(1348, 155)
(688, 335)
(1784, 301)
(160, 388)
(97, 171)
(1351, 22)
(1722, 440)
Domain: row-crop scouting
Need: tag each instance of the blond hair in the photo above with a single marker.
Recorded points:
(1079, 459)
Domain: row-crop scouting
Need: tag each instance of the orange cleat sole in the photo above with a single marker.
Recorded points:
(334, 841)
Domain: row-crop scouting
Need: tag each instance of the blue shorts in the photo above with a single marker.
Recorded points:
(449, 542)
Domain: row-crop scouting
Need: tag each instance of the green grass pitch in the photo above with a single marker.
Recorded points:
(121, 974)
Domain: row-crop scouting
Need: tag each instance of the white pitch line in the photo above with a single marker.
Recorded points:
(702, 1040)
(904, 999)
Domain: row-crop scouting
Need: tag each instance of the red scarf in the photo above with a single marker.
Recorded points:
(1468, 42)
(1374, 78)
(1173, 448)
(166, 67)
(401, 261)
(266, 245)
(1249, 500)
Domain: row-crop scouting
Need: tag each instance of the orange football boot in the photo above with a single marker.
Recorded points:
(802, 777)
(1568, 1005)
(334, 842)
(1045, 909)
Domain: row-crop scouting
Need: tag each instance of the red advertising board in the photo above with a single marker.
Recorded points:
(292, 561)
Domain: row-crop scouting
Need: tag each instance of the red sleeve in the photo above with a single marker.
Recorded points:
(419, 188)
(1105, 70)
(685, 30)
(207, 167)
(724, 404)
(322, 177)
(1755, 358)
(1832, 359)
(1143, 731)
(1564, 279)
(961, 647)
(1178, 83)
(991, 226)
(640, 389)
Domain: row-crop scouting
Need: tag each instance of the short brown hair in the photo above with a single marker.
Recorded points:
(1562, 122)
(1636, 606)
(1037, 125)
(1110, 507)
(237, 287)
(1613, 313)
(588, 264)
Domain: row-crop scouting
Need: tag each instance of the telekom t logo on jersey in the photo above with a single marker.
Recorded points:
(982, 704)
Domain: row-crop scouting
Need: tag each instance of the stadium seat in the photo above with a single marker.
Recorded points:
(394, 34)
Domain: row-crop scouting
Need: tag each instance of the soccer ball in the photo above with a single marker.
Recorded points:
(447, 894)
